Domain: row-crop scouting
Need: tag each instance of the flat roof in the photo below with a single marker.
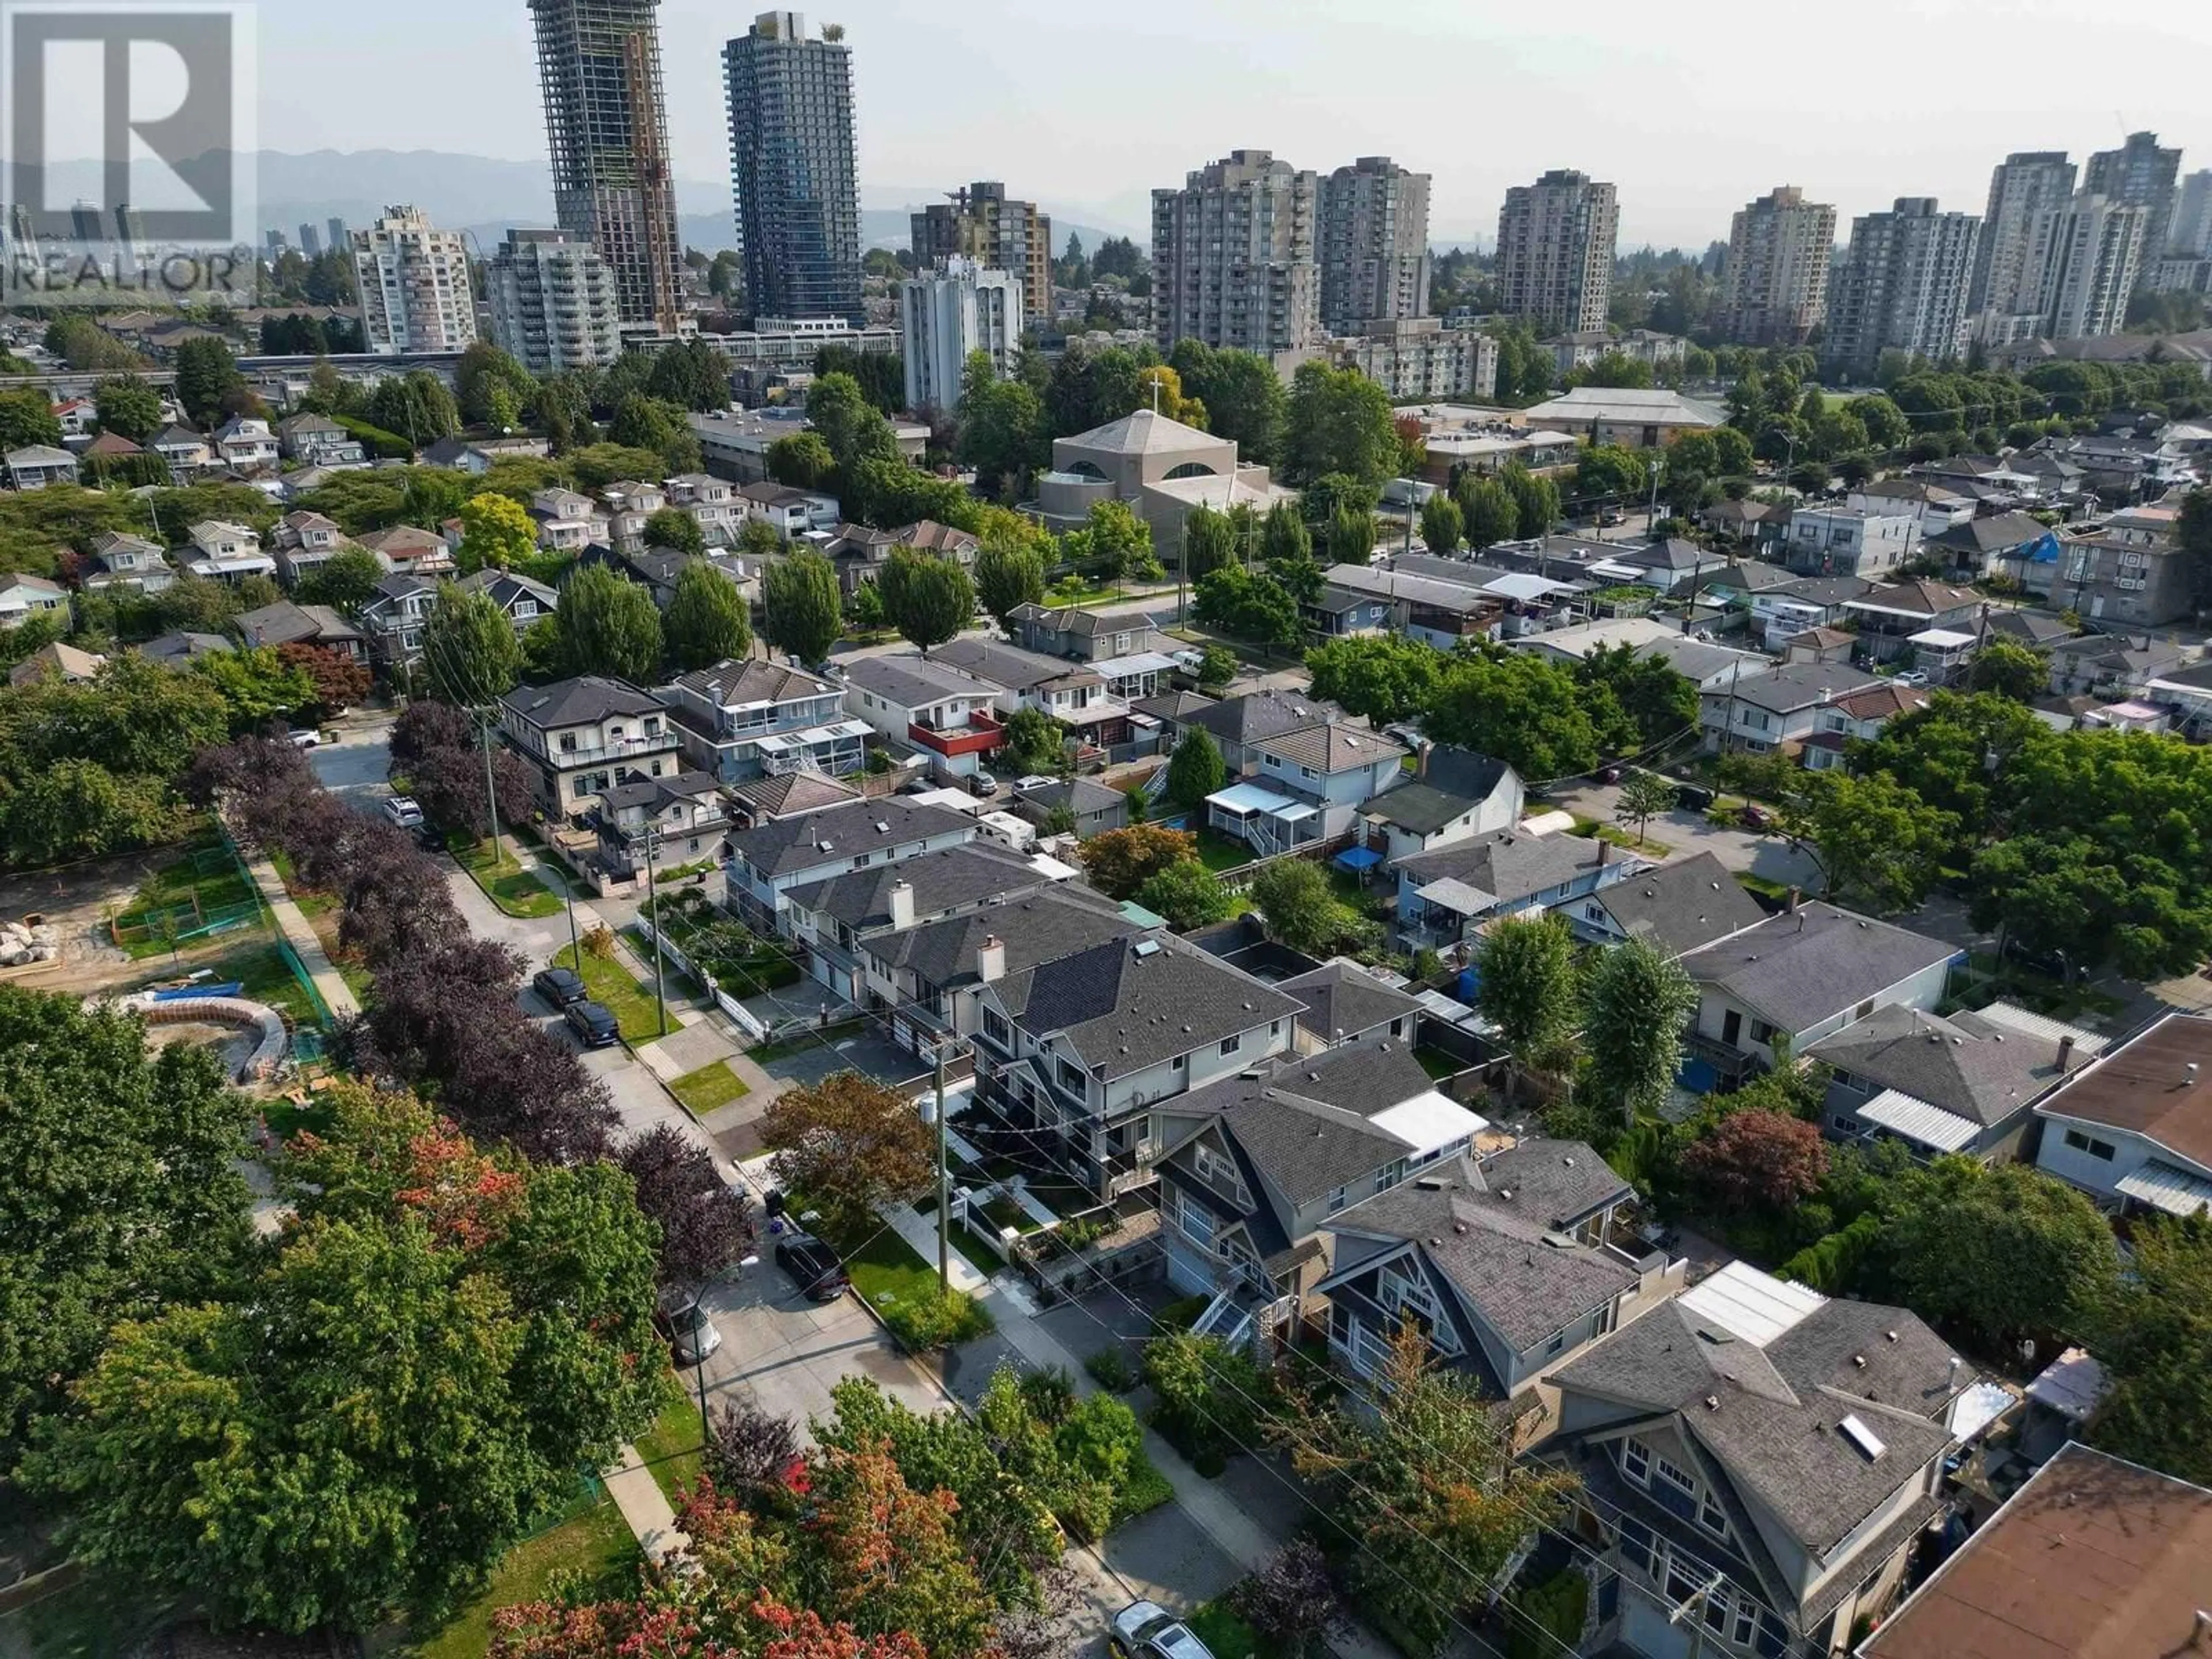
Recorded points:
(1754, 1306)
(1915, 1120)
(1251, 797)
(1429, 1122)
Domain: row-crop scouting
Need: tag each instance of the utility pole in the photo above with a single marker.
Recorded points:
(491, 798)
(653, 903)
(943, 1180)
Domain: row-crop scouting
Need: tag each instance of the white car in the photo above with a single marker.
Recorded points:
(403, 811)
(1146, 1630)
(1189, 661)
(305, 739)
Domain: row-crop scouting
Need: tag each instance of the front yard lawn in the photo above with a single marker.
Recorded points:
(596, 1543)
(712, 1086)
(891, 1276)
(674, 1447)
(518, 891)
(610, 985)
(1225, 1635)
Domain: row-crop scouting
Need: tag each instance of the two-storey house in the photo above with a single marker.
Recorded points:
(318, 441)
(2129, 572)
(287, 623)
(629, 505)
(1238, 726)
(118, 560)
(1937, 509)
(1858, 715)
(22, 597)
(2134, 1129)
(245, 443)
(1444, 897)
(1848, 541)
(1085, 636)
(919, 700)
(713, 504)
(184, 449)
(1678, 908)
(36, 465)
(394, 617)
(1803, 974)
(1435, 610)
(1892, 619)
(1453, 795)
(1781, 611)
(1080, 1051)
(1308, 784)
(747, 720)
(568, 522)
(521, 599)
(665, 822)
(405, 550)
(764, 864)
(305, 543)
(227, 552)
(1343, 1003)
(1076, 695)
(1762, 1462)
(789, 512)
(1776, 708)
(584, 736)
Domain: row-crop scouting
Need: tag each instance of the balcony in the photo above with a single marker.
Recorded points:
(664, 742)
(980, 735)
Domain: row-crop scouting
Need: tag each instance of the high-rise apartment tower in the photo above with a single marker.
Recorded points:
(2006, 299)
(793, 167)
(1233, 256)
(1776, 287)
(980, 222)
(1373, 245)
(1902, 287)
(1555, 246)
(2139, 173)
(414, 284)
(553, 302)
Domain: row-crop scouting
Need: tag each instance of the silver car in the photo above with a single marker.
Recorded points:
(691, 1333)
(1146, 1630)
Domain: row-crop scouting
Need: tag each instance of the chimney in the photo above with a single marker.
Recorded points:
(991, 959)
(1796, 896)
(2065, 1052)
(903, 905)
(1604, 851)
(1421, 765)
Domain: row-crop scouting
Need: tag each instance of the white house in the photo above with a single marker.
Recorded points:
(1846, 541)
(932, 704)
(22, 597)
(247, 443)
(712, 502)
(229, 552)
(36, 465)
(2134, 1128)
(790, 513)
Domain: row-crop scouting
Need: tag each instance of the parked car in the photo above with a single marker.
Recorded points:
(403, 811)
(1751, 816)
(305, 739)
(594, 1026)
(692, 1334)
(814, 1266)
(983, 784)
(1146, 1630)
(1913, 676)
(1691, 798)
(560, 986)
(431, 838)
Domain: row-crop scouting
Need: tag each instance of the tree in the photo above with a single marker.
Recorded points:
(802, 460)
(1637, 1003)
(1875, 840)
(1243, 397)
(2193, 533)
(1253, 607)
(852, 1145)
(1284, 539)
(26, 418)
(1339, 420)
(673, 528)
(1208, 542)
(2000, 1252)
(1115, 541)
(2009, 668)
(1294, 899)
(1217, 667)
(1535, 501)
(608, 624)
(1007, 577)
(1644, 796)
(121, 1187)
(471, 656)
(701, 1217)
(339, 682)
(1291, 1602)
(1001, 432)
(1385, 676)
(496, 534)
(852, 428)
(1442, 525)
(928, 600)
(803, 616)
(1491, 513)
(345, 579)
(415, 405)
(707, 620)
(491, 388)
(1196, 770)
(1611, 469)
(1660, 702)
(1188, 894)
(128, 407)
(207, 374)
(1758, 1160)
(659, 427)
(257, 683)
(1525, 981)
(1034, 741)
(1120, 861)
(2152, 1331)
(692, 374)
(1518, 707)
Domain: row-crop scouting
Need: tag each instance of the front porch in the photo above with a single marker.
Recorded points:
(1264, 821)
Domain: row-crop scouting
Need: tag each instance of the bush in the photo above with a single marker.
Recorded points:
(945, 1318)
(1211, 1398)
(1551, 1613)
(1113, 1369)
(382, 445)
(600, 943)
(1183, 1313)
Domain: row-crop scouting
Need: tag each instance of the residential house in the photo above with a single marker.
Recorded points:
(2039, 631)
(1670, 564)
(184, 449)
(2133, 1129)
(1507, 1264)
(2113, 666)
(662, 821)
(917, 700)
(659, 568)
(1345, 1003)
(1677, 907)
(629, 505)
(227, 552)
(1340, 613)
(1335, 767)
(790, 513)
(476, 456)
(319, 440)
(1896, 620)
(1077, 696)
(2129, 572)
(394, 617)
(407, 552)
(1705, 665)
(1094, 807)
(1958, 1082)
(1779, 709)
(1080, 1050)
(582, 737)
(1085, 636)
(1452, 795)
(118, 560)
(1733, 586)
(2187, 694)
(1939, 510)
(1821, 645)
(286, 623)
(713, 504)
(108, 450)
(1999, 544)
(786, 795)
(1802, 976)
(1861, 714)
(57, 661)
(521, 599)
(763, 864)
(746, 719)
(568, 522)
(830, 919)
(245, 443)
(1359, 599)
(859, 553)
(22, 596)
(1257, 1165)
(75, 416)
(1239, 724)
(180, 650)
(1445, 896)
(305, 542)
(1641, 418)
(1760, 1463)
(1829, 540)
(1745, 521)
(2093, 1555)
(36, 465)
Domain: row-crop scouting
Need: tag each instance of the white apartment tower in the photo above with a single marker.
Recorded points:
(2095, 251)
(2026, 189)
(1776, 290)
(946, 315)
(1555, 247)
(1373, 245)
(1233, 256)
(414, 283)
(1902, 287)
(554, 304)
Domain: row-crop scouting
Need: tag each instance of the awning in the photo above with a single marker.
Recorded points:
(1941, 639)
(1915, 1120)
(1525, 588)
(2165, 1187)
(1144, 662)
(1248, 797)
(1359, 857)
(1615, 571)
(1429, 1122)
(1977, 1408)
(2070, 1385)
(1455, 895)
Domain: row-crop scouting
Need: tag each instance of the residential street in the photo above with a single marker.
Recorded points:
(1771, 857)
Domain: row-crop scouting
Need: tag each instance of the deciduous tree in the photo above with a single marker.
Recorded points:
(1188, 894)
(128, 407)
(1339, 420)
(1644, 796)
(1757, 1160)
(1120, 861)
(1519, 708)
(1294, 900)
(2010, 669)
(2000, 1251)
(928, 600)
(804, 616)
(852, 1145)
(1442, 525)
(707, 620)
(802, 460)
(1525, 973)
(470, 654)
(2152, 1331)
(608, 624)
(703, 1220)
(344, 581)
(1637, 1003)
(1208, 542)
(1492, 515)
(496, 533)
(1385, 676)
(1007, 577)
(673, 528)
(1876, 841)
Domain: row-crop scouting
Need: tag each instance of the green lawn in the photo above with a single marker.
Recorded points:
(1225, 1635)
(262, 973)
(93, 1617)
(518, 891)
(708, 1087)
(891, 1277)
(673, 1448)
(1218, 851)
(161, 908)
(610, 985)
(1437, 1064)
(596, 1542)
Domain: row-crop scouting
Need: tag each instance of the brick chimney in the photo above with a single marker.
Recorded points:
(2065, 1052)
(991, 959)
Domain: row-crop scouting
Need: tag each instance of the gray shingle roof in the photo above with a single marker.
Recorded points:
(1005, 665)
(1262, 715)
(791, 792)
(1058, 921)
(1509, 864)
(733, 685)
(916, 682)
(655, 793)
(943, 882)
(1176, 706)
(1797, 686)
(1682, 906)
(1802, 968)
(795, 843)
(579, 701)
(1333, 748)
(1342, 999)
(1453, 783)
(1965, 1064)
(1081, 796)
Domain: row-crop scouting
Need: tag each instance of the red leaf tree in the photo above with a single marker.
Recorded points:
(1758, 1160)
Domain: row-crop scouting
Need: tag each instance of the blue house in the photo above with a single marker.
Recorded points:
(1444, 896)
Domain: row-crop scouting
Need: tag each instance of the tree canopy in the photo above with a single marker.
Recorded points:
(1385, 676)
(802, 616)
(707, 620)
(608, 624)
(927, 599)
(1339, 420)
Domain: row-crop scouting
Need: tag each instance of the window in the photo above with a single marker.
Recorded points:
(1229, 1044)
(1761, 1032)
(1636, 1544)
(1558, 1341)
(1339, 1198)
(2102, 1150)
(1072, 1077)
(1712, 1519)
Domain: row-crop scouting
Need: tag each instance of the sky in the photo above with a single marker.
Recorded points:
(1691, 111)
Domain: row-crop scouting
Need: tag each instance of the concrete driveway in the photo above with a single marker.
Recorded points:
(1771, 857)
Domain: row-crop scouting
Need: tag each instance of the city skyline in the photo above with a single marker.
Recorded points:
(1645, 114)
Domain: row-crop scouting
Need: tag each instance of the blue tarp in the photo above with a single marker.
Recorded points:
(1359, 857)
(179, 995)
(2044, 548)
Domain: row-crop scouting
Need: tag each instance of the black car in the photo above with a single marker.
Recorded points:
(1691, 798)
(560, 986)
(595, 1028)
(814, 1266)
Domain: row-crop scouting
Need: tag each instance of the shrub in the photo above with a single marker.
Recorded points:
(943, 1319)
(1113, 1369)
(600, 943)
(1551, 1613)
(1211, 1397)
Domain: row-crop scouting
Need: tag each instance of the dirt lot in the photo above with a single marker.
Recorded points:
(79, 900)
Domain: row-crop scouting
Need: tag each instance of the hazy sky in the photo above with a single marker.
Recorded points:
(1691, 110)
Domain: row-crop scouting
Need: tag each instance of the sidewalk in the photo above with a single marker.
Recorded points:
(337, 996)
(645, 1506)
